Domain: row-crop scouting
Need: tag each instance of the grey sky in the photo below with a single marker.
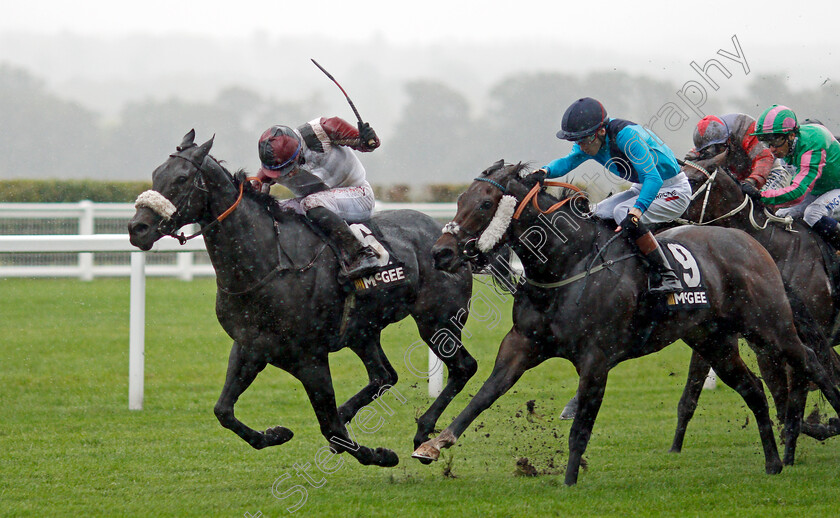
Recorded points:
(795, 38)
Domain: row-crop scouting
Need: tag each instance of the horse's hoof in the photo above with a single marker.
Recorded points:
(426, 452)
(417, 443)
(773, 468)
(277, 435)
(387, 458)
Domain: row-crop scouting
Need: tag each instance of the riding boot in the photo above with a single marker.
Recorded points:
(668, 281)
(358, 260)
(829, 230)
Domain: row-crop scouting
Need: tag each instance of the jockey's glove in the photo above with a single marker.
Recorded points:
(368, 140)
(749, 189)
(537, 177)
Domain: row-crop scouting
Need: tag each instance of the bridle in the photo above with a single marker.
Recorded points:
(787, 221)
(469, 249)
(198, 183)
(531, 196)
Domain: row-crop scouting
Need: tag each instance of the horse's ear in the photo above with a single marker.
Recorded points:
(204, 149)
(514, 184)
(188, 142)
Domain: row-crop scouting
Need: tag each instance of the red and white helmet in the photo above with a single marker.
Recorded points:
(709, 131)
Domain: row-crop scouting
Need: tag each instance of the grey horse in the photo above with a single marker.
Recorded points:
(280, 298)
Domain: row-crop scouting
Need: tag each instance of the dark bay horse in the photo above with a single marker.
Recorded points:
(601, 319)
(798, 253)
(280, 301)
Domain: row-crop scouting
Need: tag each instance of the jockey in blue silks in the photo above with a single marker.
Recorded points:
(659, 192)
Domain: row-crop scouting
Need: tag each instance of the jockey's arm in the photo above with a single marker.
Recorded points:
(809, 171)
(642, 158)
(562, 166)
(761, 160)
(342, 133)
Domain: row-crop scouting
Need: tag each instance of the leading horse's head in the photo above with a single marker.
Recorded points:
(178, 196)
(484, 213)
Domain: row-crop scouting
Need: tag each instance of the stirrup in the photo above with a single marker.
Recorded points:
(365, 263)
(667, 284)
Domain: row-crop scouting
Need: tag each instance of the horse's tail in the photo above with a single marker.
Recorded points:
(811, 334)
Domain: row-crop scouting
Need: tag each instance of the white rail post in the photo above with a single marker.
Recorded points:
(137, 331)
(86, 228)
(711, 380)
(435, 375)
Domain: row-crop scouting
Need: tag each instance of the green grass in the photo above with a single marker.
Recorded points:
(69, 446)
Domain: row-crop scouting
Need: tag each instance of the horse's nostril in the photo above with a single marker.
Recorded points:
(136, 227)
(442, 253)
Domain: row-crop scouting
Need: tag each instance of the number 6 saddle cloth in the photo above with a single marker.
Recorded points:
(391, 271)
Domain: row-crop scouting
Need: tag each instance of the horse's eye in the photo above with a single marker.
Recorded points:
(487, 205)
(180, 179)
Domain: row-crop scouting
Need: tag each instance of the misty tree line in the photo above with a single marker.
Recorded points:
(440, 136)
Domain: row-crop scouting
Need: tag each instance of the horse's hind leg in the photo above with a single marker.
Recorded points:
(775, 376)
(380, 375)
(793, 417)
(315, 376)
(445, 342)
(731, 369)
(803, 361)
(698, 369)
(241, 372)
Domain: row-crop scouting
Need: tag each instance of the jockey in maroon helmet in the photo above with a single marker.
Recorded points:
(746, 157)
(316, 163)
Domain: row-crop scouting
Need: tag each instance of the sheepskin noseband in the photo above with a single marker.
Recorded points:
(498, 225)
(157, 202)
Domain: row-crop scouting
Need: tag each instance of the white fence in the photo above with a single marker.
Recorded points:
(87, 218)
(85, 243)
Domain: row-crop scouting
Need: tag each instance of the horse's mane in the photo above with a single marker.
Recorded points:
(264, 200)
(510, 169)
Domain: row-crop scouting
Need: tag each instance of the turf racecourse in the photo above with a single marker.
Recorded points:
(69, 446)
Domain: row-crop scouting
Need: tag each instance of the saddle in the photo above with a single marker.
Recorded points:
(391, 270)
(291, 257)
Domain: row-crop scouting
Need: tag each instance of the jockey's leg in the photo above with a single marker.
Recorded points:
(829, 230)
(359, 259)
(821, 216)
(653, 255)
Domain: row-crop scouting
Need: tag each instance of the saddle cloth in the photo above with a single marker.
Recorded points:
(391, 270)
(693, 294)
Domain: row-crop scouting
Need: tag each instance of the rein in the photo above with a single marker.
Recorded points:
(221, 217)
(532, 196)
(787, 221)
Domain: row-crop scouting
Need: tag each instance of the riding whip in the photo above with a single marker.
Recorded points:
(353, 106)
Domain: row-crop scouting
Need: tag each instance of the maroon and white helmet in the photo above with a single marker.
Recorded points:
(279, 149)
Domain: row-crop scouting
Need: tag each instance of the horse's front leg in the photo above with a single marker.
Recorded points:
(593, 371)
(381, 375)
(460, 365)
(516, 355)
(241, 371)
(315, 376)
